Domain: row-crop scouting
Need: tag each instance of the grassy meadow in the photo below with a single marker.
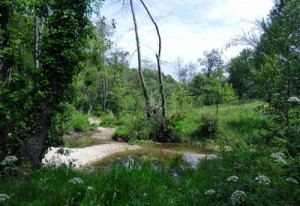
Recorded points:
(245, 169)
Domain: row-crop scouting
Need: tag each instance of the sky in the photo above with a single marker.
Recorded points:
(187, 27)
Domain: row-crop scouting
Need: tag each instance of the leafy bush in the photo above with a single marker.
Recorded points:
(109, 120)
(208, 128)
(134, 128)
(79, 123)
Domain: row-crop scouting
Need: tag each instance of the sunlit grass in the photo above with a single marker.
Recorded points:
(80, 142)
(168, 184)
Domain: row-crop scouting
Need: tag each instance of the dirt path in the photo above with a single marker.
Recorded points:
(87, 155)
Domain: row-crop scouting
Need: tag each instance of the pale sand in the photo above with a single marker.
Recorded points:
(86, 155)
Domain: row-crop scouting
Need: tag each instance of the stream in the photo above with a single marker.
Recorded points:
(157, 154)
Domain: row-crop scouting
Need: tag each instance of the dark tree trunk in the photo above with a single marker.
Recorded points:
(38, 28)
(5, 61)
(34, 147)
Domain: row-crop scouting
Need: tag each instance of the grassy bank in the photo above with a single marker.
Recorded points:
(249, 169)
(259, 175)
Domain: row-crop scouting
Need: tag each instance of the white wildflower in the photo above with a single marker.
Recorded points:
(293, 180)
(212, 157)
(237, 197)
(90, 188)
(279, 157)
(4, 197)
(262, 179)
(293, 99)
(10, 160)
(233, 178)
(210, 192)
(282, 58)
(76, 181)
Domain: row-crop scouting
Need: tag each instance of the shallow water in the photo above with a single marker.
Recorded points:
(158, 154)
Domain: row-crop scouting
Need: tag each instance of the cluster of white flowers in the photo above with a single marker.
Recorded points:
(4, 197)
(293, 99)
(210, 192)
(233, 178)
(262, 179)
(293, 180)
(76, 181)
(212, 157)
(90, 188)
(10, 160)
(279, 157)
(237, 197)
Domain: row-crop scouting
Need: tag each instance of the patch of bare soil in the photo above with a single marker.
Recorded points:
(87, 155)
(83, 156)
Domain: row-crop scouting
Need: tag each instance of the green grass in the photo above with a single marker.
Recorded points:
(79, 123)
(108, 120)
(145, 185)
(80, 142)
(242, 129)
(234, 121)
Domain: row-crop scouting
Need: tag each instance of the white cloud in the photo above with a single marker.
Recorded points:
(187, 27)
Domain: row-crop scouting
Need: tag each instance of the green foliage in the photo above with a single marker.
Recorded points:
(37, 70)
(212, 62)
(79, 142)
(80, 123)
(108, 119)
(208, 128)
(265, 177)
(135, 127)
(241, 69)
(212, 90)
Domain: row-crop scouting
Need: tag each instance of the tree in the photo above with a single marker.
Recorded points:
(178, 65)
(212, 90)
(163, 125)
(241, 74)
(277, 65)
(40, 72)
(148, 106)
(211, 61)
(184, 71)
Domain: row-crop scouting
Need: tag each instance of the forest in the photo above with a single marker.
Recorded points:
(63, 81)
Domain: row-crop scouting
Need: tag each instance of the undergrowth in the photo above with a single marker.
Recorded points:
(253, 176)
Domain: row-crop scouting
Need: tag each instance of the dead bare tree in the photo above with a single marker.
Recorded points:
(145, 90)
(160, 77)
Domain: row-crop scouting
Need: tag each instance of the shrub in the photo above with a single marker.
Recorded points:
(208, 128)
(80, 123)
(134, 128)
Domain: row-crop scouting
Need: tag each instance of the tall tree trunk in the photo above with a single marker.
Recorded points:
(288, 92)
(145, 90)
(38, 28)
(34, 147)
(112, 85)
(6, 60)
(160, 77)
(86, 91)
